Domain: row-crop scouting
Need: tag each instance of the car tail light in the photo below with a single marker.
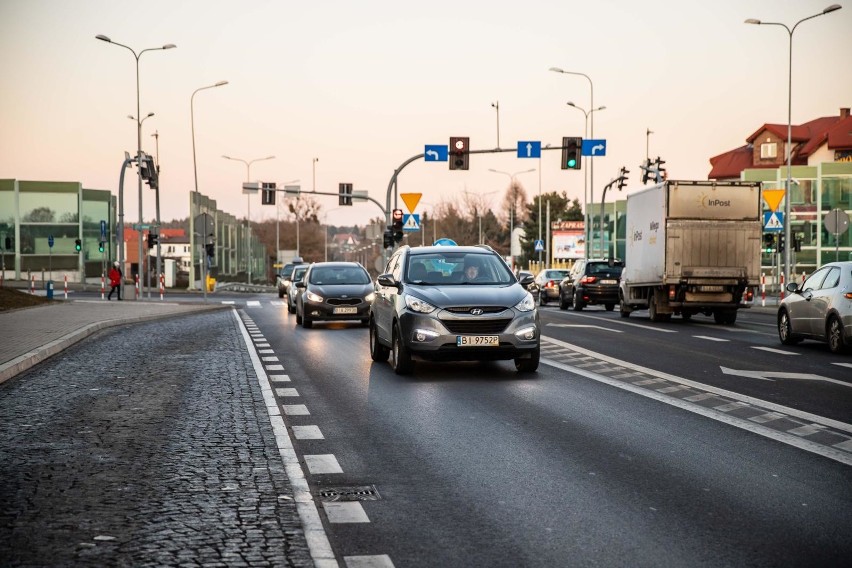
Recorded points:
(588, 279)
(848, 295)
(550, 284)
(749, 294)
(671, 292)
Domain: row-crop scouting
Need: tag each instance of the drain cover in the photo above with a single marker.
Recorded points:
(358, 493)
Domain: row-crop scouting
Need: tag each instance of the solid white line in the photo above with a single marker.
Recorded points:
(622, 322)
(317, 540)
(807, 416)
(837, 455)
(584, 325)
(843, 364)
(771, 350)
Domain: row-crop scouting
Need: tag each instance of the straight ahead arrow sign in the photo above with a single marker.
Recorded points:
(772, 375)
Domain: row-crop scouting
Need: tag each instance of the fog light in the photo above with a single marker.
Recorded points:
(421, 335)
(526, 333)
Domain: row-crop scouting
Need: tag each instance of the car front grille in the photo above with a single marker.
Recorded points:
(466, 309)
(344, 301)
(477, 326)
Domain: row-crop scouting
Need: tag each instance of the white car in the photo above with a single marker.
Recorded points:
(296, 276)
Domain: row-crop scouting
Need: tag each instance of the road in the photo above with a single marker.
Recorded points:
(632, 445)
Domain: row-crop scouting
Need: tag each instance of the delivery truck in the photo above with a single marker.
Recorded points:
(692, 247)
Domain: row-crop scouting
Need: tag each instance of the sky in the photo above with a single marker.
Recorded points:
(341, 91)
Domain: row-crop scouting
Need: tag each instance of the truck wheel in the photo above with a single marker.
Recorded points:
(652, 308)
(624, 309)
(609, 307)
(725, 317)
(686, 316)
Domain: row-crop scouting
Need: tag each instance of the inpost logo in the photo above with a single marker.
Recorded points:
(704, 201)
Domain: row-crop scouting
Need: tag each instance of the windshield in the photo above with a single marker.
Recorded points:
(462, 268)
(339, 276)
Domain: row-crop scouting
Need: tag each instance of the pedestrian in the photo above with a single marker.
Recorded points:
(115, 278)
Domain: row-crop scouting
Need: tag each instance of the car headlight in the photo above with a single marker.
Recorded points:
(370, 297)
(313, 297)
(418, 305)
(527, 304)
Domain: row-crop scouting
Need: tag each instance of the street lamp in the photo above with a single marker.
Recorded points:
(195, 175)
(138, 152)
(496, 107)
(514, 200)
(586, 217)
(146, 282)
(248, 201)
(787, 196)
(591, 105)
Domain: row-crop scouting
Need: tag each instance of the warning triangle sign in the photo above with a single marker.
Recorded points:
(773, 198)
(773, 222)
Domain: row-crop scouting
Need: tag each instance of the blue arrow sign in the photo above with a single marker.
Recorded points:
(529, 149)
(436, 153)
(773, 221)
(594, 148)
(50, 241)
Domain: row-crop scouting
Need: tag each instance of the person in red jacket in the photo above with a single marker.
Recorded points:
(115, 280)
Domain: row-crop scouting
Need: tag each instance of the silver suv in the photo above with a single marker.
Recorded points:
(448, 303)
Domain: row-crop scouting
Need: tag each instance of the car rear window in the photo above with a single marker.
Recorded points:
(604, 269)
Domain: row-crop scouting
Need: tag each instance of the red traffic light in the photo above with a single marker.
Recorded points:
(397, 214)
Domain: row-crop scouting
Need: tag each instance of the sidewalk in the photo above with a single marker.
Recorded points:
(31, 335)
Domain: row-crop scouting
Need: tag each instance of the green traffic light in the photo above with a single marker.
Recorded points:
(572, 162)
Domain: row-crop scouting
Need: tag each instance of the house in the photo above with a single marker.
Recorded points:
(825, 139)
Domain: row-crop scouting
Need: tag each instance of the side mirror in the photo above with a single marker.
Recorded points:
(792, 287)
(526, 280)
(301, 284)
(387, 281)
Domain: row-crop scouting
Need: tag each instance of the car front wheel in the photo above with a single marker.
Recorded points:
(528, 365)
(785, 329)
(378, 352)
(400, 356)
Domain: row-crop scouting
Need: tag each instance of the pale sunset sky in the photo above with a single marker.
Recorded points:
(363, 86)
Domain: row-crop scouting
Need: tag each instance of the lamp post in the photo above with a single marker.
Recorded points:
(192, 247)
(787, 220)
(514, 200)
(248, 164)
(648, 133)
(156, 136)
(143, 266)
(497, 108)
(138, 151)
(325, 225)
(586, 228)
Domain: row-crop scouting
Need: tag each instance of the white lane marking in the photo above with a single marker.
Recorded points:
(310, 432)
(317, 540)
(269, 359)
(275, 367)
(296, 410)
(287, 392)
(276, 303)
(807, 430)
(345, 512)
(322, 463)
(837, 455)
(771, 350)
(583, 325)
(262, 345)
(252, 304)
(847, 445)
(807, 416)
(622, 322)
(228, 302)
(843, 365)
(768, 417)
(264, 351)
(279, 378)
(771, 375)
(377, 561)
(258, 339)
(708, 338)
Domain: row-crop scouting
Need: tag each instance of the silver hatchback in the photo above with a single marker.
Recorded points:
(820, 309)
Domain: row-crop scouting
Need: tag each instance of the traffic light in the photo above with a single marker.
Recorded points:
(152, 240)
(78, 245)
(101, 246)
(622, 178)
(768, 242)
(459, 157)
(781, 242)
(646, 171)
(8, 243)
(344, 194)
(150, 172)
(571, 153)
(387, 240)
(210, 249)
(267, 196)
(397, 225)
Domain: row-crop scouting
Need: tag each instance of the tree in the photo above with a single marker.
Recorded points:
(40, 215)
(559, 209)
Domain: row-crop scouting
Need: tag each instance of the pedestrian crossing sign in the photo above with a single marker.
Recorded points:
(411, 222)
(773, 221)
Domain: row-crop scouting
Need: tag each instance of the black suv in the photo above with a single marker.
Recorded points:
(286, 274)
(450, 303)
(596, 283)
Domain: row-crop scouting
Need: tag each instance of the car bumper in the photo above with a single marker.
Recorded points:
(436, 338)
(324, 311)
(599, 295)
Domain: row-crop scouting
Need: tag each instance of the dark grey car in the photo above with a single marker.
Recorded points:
(446, 303)
(333, 291)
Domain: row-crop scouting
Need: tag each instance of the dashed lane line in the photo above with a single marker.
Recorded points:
(709, 338)
(773, 350)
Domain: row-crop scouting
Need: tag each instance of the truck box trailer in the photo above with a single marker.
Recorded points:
(692, 247)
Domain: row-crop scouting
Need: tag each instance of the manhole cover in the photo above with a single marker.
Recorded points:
(359, 493)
